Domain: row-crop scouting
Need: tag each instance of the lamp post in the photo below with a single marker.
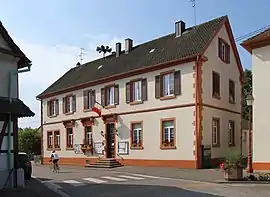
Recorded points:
(249, 100)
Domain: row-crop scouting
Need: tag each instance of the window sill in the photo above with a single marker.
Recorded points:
(69, 148)
(57, 149)
(136, 102)
(52, 116)
(87, 110)
(216, 97)
(216, 145)
(167, 147)
(167, 97)
(110, 106)
(69, 113)
(50, 149)
(136, 148)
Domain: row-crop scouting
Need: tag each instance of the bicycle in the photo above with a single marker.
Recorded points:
(55, 167)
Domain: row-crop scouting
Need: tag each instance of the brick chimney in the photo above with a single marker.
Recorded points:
(128, 45)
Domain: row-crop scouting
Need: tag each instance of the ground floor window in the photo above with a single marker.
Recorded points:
(69, 137)
(168, 133)
(88, 135)
(56, 139)
(216, 132)
(231, 133)
(50, 139)
(136, 135)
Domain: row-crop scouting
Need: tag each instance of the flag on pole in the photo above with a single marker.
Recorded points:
(97, 109)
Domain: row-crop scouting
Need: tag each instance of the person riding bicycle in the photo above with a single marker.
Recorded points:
(54, 159)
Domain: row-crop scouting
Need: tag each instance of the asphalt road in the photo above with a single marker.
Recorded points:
(80, 182)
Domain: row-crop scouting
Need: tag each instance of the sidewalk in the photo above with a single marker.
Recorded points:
(32, 188)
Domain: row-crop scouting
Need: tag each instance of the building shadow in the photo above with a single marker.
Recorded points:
(130, 190)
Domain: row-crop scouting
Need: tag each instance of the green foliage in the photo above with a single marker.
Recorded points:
(233, 160)
(29, 140)
(104, 50)
(246, 89)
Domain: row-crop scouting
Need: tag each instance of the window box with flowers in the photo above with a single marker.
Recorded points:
(232, 166)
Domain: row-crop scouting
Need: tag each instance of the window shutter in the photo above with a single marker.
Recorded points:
(64, 105)
(144, 89)
(85, 100)
(157, 86)
(228, 53)
(177, 82)
(93, 98)
(57, 106)
(103, 97)
(48, 109)
(131, 91)
(219, 48)
(74, 103)
(128, 92)
(218, 132)
(116, 94)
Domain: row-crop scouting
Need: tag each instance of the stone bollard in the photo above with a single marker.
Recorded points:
(20, 178)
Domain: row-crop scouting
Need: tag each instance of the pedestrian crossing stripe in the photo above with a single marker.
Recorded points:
(74, 183)
(146, 176)
(113, 178)
(131, 177)
(95, 180)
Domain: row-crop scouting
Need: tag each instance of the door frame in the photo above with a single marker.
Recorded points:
(106, 138)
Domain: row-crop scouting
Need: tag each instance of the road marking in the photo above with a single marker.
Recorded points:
(94, 180)
(113, 178)
(146, 176)
(74, 183)
(131, 177)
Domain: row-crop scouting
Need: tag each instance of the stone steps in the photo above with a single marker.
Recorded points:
(105, 163)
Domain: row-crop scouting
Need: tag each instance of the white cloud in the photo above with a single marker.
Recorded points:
(48, 64)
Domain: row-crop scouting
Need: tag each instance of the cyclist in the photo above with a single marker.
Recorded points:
(55, 159)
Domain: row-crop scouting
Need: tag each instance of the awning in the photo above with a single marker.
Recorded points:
(15, 108)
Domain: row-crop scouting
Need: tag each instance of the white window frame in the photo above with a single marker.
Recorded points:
(168, 85)
(110, 95)
(170, 132)
(137, 90)
(53, 112)
(136, 133)
(231, 133)
(70, 138)
(88, 136)
(215, 132)
(57, 139)
(50, 141)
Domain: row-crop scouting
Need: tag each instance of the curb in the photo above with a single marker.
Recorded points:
(52, 187)
(244, 182)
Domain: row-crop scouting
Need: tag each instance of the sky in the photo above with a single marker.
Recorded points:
(52, 32)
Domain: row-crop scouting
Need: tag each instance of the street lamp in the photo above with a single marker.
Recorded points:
(249, 100)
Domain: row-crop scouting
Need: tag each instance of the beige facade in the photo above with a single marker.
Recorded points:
(180, 109)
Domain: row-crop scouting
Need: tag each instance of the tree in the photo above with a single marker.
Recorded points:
(30, 140)
(246, 89)
(104, 50)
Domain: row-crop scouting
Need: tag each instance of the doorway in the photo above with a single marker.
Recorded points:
(110, 140)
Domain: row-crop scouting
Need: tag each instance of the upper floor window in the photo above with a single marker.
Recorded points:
(69, 137)
(231, 134)
(136, 135)
(168, 84)
(56, 139)
(69, 104)
(167, 133)
(136, 91)
(89, 99)
(216, 132)
(231, 91)
(110, 96)
(223, 50)
(49, 139)
(215, 85)
(53, 107)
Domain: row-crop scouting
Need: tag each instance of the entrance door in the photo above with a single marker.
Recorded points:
(110, 140)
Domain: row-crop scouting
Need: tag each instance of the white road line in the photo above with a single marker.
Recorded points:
(94, 180)
(131, 177)
(74, 183)
(146, 176)
(113, 178)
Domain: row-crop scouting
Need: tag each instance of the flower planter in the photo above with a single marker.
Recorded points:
(233, 174)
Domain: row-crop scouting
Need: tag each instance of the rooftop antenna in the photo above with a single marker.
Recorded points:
(81, 55)
(193, 2)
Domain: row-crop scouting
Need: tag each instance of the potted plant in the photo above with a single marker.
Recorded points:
(232, 166)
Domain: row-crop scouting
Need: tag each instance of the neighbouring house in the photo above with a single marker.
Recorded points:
(173, 101)
(259, 48)
(12, 62)
(245, 128)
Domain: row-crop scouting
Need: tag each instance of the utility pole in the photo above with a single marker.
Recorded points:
(194, 9)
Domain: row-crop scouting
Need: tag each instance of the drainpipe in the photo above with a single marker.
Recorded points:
(10, 118)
